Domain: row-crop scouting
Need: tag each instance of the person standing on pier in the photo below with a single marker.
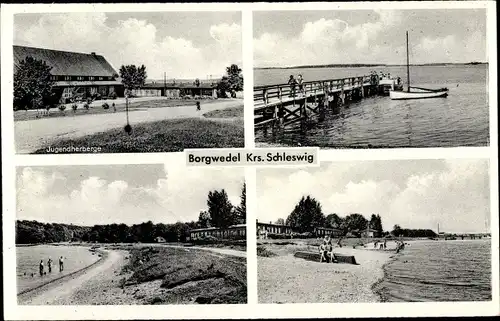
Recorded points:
(300, 82)
(292, 82)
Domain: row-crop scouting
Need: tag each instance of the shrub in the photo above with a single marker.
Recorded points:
(105, 106)
(62, 107)
(113, 95)
(74, 107)
(262, 251)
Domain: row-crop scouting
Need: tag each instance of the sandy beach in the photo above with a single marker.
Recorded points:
(107, 282)
(69, 289)
(287, 279)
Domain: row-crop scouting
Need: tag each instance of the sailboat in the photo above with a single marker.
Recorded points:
(419, 92)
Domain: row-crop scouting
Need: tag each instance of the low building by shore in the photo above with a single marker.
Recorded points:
(234, 232)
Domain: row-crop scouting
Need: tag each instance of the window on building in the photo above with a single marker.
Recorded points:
(91, 78)
(101, 78)
(68, 78)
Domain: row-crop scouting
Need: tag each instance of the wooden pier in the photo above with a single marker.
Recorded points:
(283, 105)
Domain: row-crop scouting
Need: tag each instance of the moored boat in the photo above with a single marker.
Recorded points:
(421, 93)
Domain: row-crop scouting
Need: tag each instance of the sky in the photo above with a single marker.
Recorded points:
(290, 38)
(185, 45)
(411, 193)
(130, 194)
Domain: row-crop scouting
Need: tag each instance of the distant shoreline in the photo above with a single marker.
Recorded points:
(372, 65)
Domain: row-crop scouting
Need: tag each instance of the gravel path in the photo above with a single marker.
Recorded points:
(222, 251)
(31, 135)
(286, 279)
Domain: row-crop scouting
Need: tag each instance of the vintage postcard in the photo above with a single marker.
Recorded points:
(249, 160)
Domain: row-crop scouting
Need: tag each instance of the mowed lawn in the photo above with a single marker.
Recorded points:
(173, 135)
(96, 108)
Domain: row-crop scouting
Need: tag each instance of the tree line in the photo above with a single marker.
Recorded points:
(308, 214)
(220, 213)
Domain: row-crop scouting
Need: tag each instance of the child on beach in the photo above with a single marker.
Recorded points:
(49, 264)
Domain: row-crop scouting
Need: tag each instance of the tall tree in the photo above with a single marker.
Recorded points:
(356, 222)
(397, 230)
(376, 223)
(241, 210)
(204, 219)
(32, 84)
(232, 81)
(280, 221)
(334, 221)
(220, 209)
(306, 215)
(133, 77)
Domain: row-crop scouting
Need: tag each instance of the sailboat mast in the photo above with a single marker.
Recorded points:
(407, 63)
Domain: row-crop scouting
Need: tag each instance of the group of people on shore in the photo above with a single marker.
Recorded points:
(382, 245)
(326, 251)
(41, 266)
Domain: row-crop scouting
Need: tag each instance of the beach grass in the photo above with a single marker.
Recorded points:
(173, 135)
(188, 275)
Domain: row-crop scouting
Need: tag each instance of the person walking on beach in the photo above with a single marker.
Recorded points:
(61, 264)
(292, 82)
(49, 264)
(41, 268)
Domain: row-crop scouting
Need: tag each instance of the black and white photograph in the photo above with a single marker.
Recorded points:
(375, 231)
(371, 78)
(118, 82)
(130, 235)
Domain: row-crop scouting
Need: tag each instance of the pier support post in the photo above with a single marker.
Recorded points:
(342, 94)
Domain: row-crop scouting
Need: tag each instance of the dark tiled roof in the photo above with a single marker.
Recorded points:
(65, 63)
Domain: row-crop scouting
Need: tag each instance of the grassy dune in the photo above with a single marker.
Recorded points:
(188, 276)
(172, 135)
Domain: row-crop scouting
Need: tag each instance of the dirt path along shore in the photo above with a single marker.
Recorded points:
(61, 291)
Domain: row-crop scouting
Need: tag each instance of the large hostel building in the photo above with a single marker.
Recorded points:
(76, 75)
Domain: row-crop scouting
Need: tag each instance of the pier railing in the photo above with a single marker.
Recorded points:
(264, 95)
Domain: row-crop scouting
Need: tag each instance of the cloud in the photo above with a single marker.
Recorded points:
(135, 41)
(325, 41)
(454, 193)
(180, 195)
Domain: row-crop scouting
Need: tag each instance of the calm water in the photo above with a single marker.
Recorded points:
(461, 119)
(439, 271)
(28, 259)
